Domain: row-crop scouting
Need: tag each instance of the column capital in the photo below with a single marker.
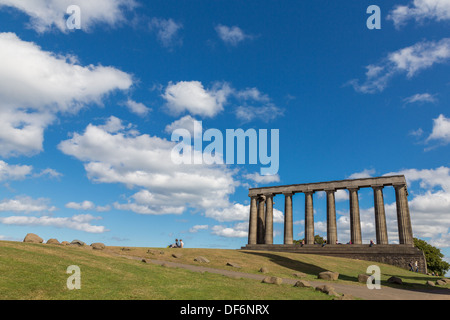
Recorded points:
(309, 192)
(290, 194)
(377, 186)
(329, 190)
(353, 188)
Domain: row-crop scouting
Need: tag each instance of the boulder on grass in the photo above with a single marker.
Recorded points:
(53, 241)
(201, 259)
(98, 246)
(302, 284)
(272, 280)
(65, 243)
(264, 270)
(363, 278)
(33, 238)
(329, 275)
(77, 243)
(234, 265)
(395, 280)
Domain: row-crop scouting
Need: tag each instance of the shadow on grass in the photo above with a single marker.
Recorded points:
(418, 287)
(298, 266)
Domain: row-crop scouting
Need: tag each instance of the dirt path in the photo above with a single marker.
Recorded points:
(385, 293)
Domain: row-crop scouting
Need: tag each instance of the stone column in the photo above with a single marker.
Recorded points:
(355, 222)
(288, 219)
(253, 221)
(261, 220)
(403, 217)
(380, 215)
(268, 239)
(309, 218)
(331, 217)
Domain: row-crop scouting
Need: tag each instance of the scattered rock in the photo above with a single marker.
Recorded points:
(447, 281)
(264, 270)
(77, 243)
(430, 283)
(440, 283)
(65, 243)
(395, 280)
(53, 241)
(33, 238)
(201, 259)
(272, 280)
(329, 275)
(234, 265)
(152, 252)
(125, 249)
(177, 255)
(161, 252)
(363, 278)
(327, 290)
(302, 284)
(145, 260)
(98, 246)
(299, 274)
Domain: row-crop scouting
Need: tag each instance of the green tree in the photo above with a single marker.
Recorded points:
(317, 239)
(433, 256)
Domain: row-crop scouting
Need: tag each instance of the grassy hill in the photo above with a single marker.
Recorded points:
(38, 271)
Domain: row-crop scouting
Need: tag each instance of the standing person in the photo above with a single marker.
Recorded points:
(181, 243)
(416, 266)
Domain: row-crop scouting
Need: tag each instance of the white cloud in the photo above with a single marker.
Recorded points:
(26, 204)
(186, 122)
(192, 97)
(52, 173)
(265, 113)
(262, 179)
(36, 85)
(144, 162)
(197, 228)
(239, 212)
(420, 10)
(420, 98)
(231, 35)
(85, 205)
(441, 130)
(410, 61)
(14, 172)
(167, 31)
(366, 173)
(240, 230)
(137, 107)
(77, 222)
(48, 14)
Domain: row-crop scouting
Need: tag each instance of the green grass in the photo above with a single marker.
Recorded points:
(283, 264)
(38, 271)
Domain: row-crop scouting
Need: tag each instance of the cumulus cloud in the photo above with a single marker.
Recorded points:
(197, 228)
(441, 130)
(14, 172)
(78, 222)
(36, 85)
(366, 173)
(410, 61)
(46, 15)
(256, 177)
(145, 162)
(231, 35)
(26, 205)
(239, 230)
(420, 11)
(137, 108)
(192, 97)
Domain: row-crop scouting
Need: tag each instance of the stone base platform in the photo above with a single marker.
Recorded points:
(396, 255)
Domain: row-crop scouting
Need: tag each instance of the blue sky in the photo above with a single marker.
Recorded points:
(86, 115)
